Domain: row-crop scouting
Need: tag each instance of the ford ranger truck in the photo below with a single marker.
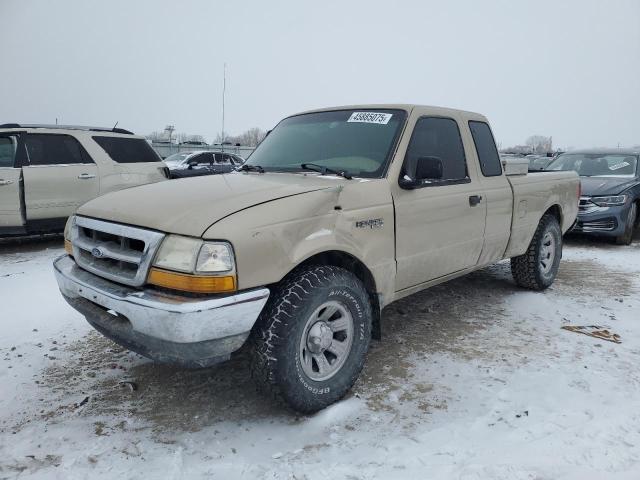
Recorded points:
(337, 213)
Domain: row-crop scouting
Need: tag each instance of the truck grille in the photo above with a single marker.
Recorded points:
(114, 251)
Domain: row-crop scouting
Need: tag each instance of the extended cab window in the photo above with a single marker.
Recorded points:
(54, 149)
(440, 138)
(127, 150)
(486, 149)
(8, 147)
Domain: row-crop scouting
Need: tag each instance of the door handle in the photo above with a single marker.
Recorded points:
(85, 176)
(5, 182)
(474, 200)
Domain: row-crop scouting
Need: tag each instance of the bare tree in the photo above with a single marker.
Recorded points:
(540, 144)
(249, 138)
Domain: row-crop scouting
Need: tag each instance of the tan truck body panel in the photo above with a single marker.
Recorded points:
(57, 190)
(276, 221)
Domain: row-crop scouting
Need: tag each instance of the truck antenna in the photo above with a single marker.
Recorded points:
(114, 127)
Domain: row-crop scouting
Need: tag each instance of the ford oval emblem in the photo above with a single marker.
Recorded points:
(97, 252)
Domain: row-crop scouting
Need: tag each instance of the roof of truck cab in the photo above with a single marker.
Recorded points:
(408, 107)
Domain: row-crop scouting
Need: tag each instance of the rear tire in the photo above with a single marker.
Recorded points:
(537, 268)
(627, 237)
(311, 340)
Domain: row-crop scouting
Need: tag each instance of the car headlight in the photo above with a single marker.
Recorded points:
(194, 265)
(214, 257)
(609, 201)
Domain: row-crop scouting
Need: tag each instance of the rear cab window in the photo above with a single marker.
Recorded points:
(486, 149)
(127, 150)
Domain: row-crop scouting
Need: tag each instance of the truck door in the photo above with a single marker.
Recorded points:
(497, 193)
(11, 213)
(59, 177)
(440, 224)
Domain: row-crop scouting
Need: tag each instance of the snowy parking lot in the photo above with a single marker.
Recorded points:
(473, 379)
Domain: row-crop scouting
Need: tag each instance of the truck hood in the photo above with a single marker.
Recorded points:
(592, 186)
(190, 206)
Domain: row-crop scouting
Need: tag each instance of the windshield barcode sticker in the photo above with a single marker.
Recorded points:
(370, 117)
(618, 166)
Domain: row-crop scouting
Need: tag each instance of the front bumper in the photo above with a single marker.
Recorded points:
(193, 332)
(607, 221)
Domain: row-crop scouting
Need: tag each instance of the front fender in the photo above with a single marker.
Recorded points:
(271, 239)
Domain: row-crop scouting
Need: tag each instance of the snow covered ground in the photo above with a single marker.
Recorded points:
(474, 379)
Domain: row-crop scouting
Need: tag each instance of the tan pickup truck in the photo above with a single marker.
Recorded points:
(47, 171)
(337, 213)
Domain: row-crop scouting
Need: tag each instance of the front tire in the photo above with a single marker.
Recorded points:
(537, 268)
(627, 237)
(311, 340)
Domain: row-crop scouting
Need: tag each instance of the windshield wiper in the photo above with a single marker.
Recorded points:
(324, 170)
(246, 167)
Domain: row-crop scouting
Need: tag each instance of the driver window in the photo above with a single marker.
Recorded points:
(440, 138)
(204, 158)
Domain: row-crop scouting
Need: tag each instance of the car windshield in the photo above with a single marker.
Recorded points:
(538, 163)
(597, 164)
(358, 142)
(176, 158)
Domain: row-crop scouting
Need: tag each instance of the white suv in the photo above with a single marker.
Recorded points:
(47, 171)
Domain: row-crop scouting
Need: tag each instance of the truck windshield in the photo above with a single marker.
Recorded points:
(358, 142)
(597, 164)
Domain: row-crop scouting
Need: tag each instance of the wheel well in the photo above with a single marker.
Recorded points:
(360, 270)
(556, 211)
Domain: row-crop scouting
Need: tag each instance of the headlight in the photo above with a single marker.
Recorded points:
(609, 201)
(178, 253)
(206, 267)
(214, 257)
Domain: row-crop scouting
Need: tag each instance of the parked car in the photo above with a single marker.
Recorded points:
(47, 171)
(196, 164)
(335, 215)
(610, 191)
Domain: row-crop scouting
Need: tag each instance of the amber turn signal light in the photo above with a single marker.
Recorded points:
(68, 247)
(191, 283)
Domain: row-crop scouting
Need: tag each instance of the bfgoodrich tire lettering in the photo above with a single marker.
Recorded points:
(537, 268)
(285, 334)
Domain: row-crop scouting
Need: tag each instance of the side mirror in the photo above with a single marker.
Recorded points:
(427, 168)
(192, 163)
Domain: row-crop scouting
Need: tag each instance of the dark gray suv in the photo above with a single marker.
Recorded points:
(610, 197)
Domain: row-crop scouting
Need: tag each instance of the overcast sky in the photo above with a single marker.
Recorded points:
(567, 68)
